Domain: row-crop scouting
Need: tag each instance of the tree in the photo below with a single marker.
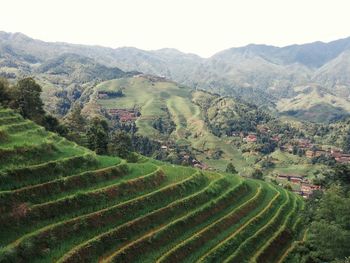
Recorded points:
(120, 144)
(288, 187)
(27, 99)
(257, 174)
(346, 144)
(329, 233)
(342, 174)
(52, 124)
(75, 120)
(231, 168)
(4, 91)
(97, 135)
(267, 163)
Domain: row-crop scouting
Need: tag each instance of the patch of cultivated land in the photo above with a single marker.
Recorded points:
(60, 202)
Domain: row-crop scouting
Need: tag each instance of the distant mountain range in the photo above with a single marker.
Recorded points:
(309, 82)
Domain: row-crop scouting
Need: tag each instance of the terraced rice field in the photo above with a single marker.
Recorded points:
(60, 202)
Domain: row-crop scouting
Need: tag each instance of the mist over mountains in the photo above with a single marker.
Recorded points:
(309, 81)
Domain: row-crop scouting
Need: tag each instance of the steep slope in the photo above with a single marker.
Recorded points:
(63, 203)
(246, 74)
(335, 75)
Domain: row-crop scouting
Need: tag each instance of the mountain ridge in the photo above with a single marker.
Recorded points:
(260, 74)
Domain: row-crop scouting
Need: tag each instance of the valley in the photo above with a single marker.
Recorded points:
(127, 155)
(196, 116)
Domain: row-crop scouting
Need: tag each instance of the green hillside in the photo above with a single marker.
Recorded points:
(158, 98)
(314, 103)
(60, 202)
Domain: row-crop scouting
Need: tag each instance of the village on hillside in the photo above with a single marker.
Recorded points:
(301, 184)
(250, 142)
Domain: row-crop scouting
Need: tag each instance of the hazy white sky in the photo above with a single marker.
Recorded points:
(197, 26)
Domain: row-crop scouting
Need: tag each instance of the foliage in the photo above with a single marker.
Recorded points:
(97, 134)
(51, 123)
(114, 94)
(74, 120)
(165, 127)
(257, 174)
(120, 144)
(231, 168)
(27, 99)
(4, 91)
(342, 174)
(144, 145)
(323, 159)
(3, 136)
(346, 144)
(23, 97)
(329, 233)
(328, 237)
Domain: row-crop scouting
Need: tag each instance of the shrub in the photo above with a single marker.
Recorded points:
(133, 157)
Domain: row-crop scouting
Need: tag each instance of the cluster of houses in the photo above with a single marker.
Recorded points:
(250, 138)
(109, 94)
(253, 137)
(191, 161)
(195, 163)
(337, 154)
(312, 150)
(152, 78)
(199, 165)
(306, 188)
(124, 115)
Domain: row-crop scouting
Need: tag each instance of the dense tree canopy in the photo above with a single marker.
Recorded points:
(4, 91)
(231, 168)
(97, 134)
(327, 217)
(27, 99)
(120, 144)
(329, 233)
